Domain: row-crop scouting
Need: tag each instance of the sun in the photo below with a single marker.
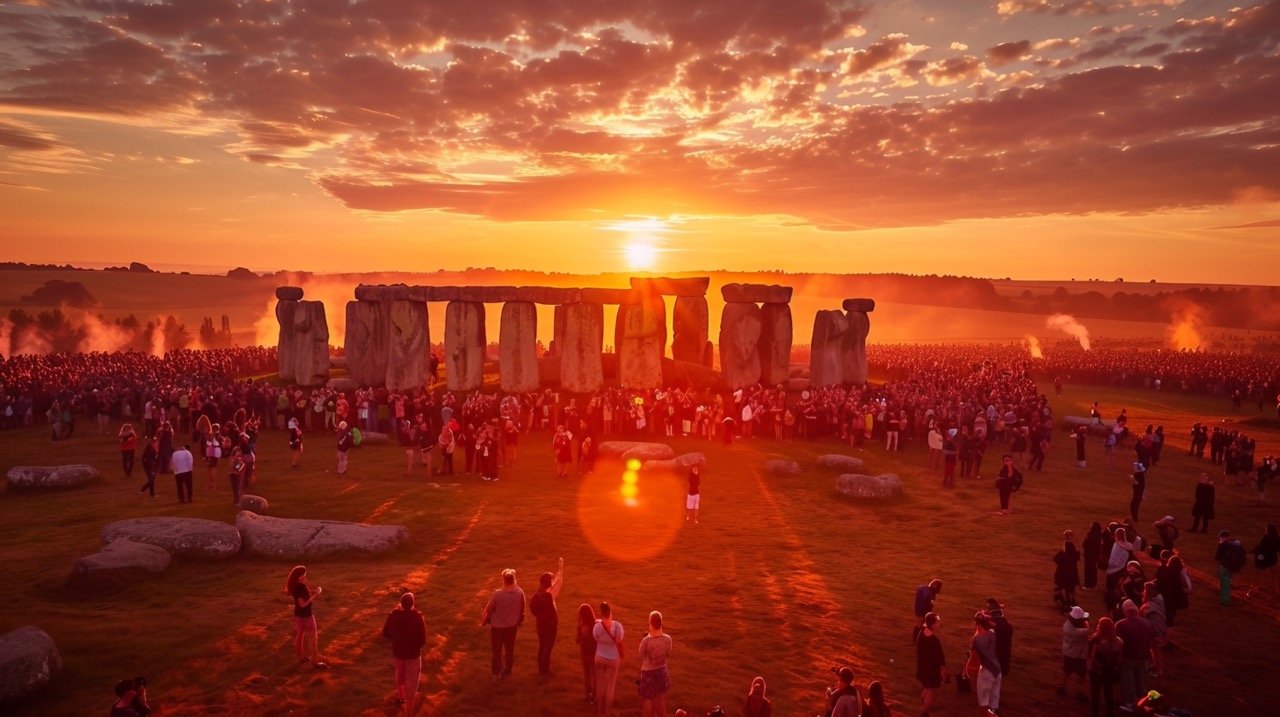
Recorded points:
(641, 254)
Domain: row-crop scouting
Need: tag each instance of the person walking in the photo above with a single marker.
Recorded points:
(1230, 558)
(925, 597)
(654, 680)
(345, 441)
(1008, 480)
(545, 615)
(150, 465)
(128, 448)
(608, 635)
(982, 650)
(305, 635)
(931, 664)
(182, 463)
(1202, 508)
(504, 613)
(407, 631)
(587, 649)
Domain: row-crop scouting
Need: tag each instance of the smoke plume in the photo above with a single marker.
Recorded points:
(1186, 327)
(1033, 344)
(1068, 323)
(334, 293)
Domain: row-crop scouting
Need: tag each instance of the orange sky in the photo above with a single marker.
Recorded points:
(1022, 138)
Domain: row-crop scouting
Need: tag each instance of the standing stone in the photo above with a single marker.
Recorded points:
(557, 331)
(286, 348)
(517, 354)
(409, 345)
(709, 354)
(740, 344)
(311, 368)
(368, 341)
(825, 362)
(581, 368)
(464, 342)
(640, 338)
(775, 343)
(689, 323)
(853, 349)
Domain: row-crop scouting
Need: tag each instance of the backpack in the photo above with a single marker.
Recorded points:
(1234, 557)
(356, 437)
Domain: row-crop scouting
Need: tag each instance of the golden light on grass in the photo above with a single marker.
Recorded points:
(630, 519)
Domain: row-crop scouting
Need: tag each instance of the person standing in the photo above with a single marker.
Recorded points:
(295, 442)
(693, 499)
(446, 444)
(1004, 636)
(305, 634)
(345, 441)
(1082, 435)
(1008, 480)
(1139, 478)
(150, 465)
(1092, 555)
(1202, 508)
(843, 700)
(1066, 573)
(562, 447)
(1266, 555)
(757, 704)
(654, 680)
(1230, 558)
(545, 615)
(931, 665)
(504, 613)
(1106, 652)
(587, 649)
(407, 631)
(925, 595)
(1075, 651)
(608, 636)
(182, 463)
(1136, 633)
(404, 436)
(235, 474)
(128, 448)
(982, 648)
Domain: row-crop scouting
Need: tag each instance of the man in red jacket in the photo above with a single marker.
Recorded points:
(408, 634)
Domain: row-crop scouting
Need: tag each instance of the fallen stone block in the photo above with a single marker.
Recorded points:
(185, 537)
(51, 477)
(869, 488)
(302, 539)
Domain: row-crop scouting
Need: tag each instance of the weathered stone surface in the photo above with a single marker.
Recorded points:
(382, 292)
(782, 468)
(798, 370)
(639, 450)
(488, 294)
(740, 344)
(680, 464)
(342, 384)
(684, 287)
(825, 362)
(864, 305)
(337, 362)
(374, 438)
(853, 348)
(581, 369)
(464, 342)
(551, 295)
(870, 488)
(1101, 428)
(289, 293)
(51, 477)
(186, 537)
(28, 661)
(557, 331)
(432, 293)
(368, 341)
(756, 293)
(607, 296)
(640, 338)
(253, 503)
(775, 343)
(311, 367)
(690, 324)
(709, 354)
(797, 384)
(684, 374)
(120, 561)
(517, 353)
(286, 345)
(409, 345)
(298, 539)
(835, 461)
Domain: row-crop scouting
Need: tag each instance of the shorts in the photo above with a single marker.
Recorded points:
(653, 683)
(1074, 666)
(305, 624)
(691, 501)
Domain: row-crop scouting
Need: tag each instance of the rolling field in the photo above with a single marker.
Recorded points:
(781, 579)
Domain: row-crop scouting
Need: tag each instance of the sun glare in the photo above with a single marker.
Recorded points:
(641, 254)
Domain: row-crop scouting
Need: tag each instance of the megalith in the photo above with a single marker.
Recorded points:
(640, 338)
(517, 353)
(557, 330)
(367, 344)
(854, 348)
(464, 344)
(740, 344)
(581, 367)
(409, 345)
(826, 366)
(311, 330)
(286, 347)
(689, 328)
(775, 343)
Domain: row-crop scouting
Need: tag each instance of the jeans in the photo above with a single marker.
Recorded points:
(1133, 680)
(1102, 687)
(546, 640)
(1224, 585)
(503, 642)
(183, 482)
(606, 681)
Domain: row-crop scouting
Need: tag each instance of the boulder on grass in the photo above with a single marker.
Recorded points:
(865, 487)
(782, 468)
(28, 660)
(51, 477)
(1101, 428)
(835, 461)
(185, 537)
(639, 450)
(374, 438)
(302, 539)
(120, 561)
(253, 503)
(680, 464)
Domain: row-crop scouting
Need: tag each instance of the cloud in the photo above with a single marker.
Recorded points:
(1264, 224)
(1078, 7)
(1007, 52)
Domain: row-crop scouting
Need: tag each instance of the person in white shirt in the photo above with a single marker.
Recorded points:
(182, 463)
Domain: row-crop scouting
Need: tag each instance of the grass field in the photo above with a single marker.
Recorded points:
(781, 579)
